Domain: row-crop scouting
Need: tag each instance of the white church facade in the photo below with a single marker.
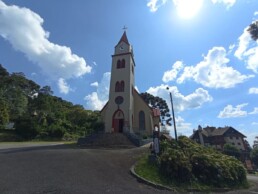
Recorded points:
(125, 110)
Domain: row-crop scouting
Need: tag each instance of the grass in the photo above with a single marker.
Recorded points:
(9, 137)
(150, 171)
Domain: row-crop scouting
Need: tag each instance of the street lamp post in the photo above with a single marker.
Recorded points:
(173, 114)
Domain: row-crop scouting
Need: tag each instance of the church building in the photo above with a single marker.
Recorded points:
(126, 111)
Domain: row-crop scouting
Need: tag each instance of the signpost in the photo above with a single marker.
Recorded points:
(156, 142)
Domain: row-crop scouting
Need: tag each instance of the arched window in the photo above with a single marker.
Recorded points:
(122, 86)
(123, 63)
(118, 64)
(117, 88)
(141, 120)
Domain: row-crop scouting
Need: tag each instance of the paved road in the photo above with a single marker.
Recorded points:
(252, 178)
(63, 169)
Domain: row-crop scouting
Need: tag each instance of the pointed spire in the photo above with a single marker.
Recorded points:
(124, 39)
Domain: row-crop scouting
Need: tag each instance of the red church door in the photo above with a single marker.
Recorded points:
(118, 121)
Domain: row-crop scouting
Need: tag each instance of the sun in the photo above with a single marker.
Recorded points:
(187, 9)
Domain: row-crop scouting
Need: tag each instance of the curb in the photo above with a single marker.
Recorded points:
(141, 179)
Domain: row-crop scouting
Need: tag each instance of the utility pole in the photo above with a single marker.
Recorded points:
(173, 114)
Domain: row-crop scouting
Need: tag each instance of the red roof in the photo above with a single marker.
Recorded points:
(124, 39)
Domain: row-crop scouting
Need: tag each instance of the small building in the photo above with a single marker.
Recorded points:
(126, 111)
(218, 137)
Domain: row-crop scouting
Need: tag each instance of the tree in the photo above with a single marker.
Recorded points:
(254, 156)
(3, 71)
(156, 102)
(18, 102)
(37, 113)
(46, 90)
(255, 142)
(231, 150)
(253, 30)
(4, 115)
(27, 127)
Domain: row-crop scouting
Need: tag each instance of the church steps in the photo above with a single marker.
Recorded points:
(106, 140)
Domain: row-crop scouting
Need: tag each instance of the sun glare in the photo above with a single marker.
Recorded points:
(187, 9)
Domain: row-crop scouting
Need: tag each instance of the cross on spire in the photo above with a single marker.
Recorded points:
(124, 28)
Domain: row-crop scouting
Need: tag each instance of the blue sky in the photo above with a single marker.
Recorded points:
(200, 49)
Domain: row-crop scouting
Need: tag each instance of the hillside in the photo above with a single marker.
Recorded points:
(37, 113)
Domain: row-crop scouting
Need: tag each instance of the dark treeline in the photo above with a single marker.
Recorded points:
(36, 113)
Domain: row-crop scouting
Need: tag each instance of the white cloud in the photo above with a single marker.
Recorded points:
(22, 28)
(244, 41)
(155, 4)
(96, 100)
(255, 111)
(213, 71)
(229, 111)
(172, 74)
(254, 123)
(94, 84)
(63, 86)
(252, 59)
(181, 102)
(247, 50)
(182, 125)
(184, 5)
(231, 47)
(256, 13)
(33, 74)
(253, 90)
(228, 3)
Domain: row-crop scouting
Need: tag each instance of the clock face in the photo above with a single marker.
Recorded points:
(121, 47)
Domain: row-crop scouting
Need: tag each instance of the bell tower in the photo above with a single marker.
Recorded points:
(119, 114)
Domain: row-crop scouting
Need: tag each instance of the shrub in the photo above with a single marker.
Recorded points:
(174, 164)
(186, 160)
(42, 135)
(98, 126)
(70, 137)
(27, 127)
(56, 130)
